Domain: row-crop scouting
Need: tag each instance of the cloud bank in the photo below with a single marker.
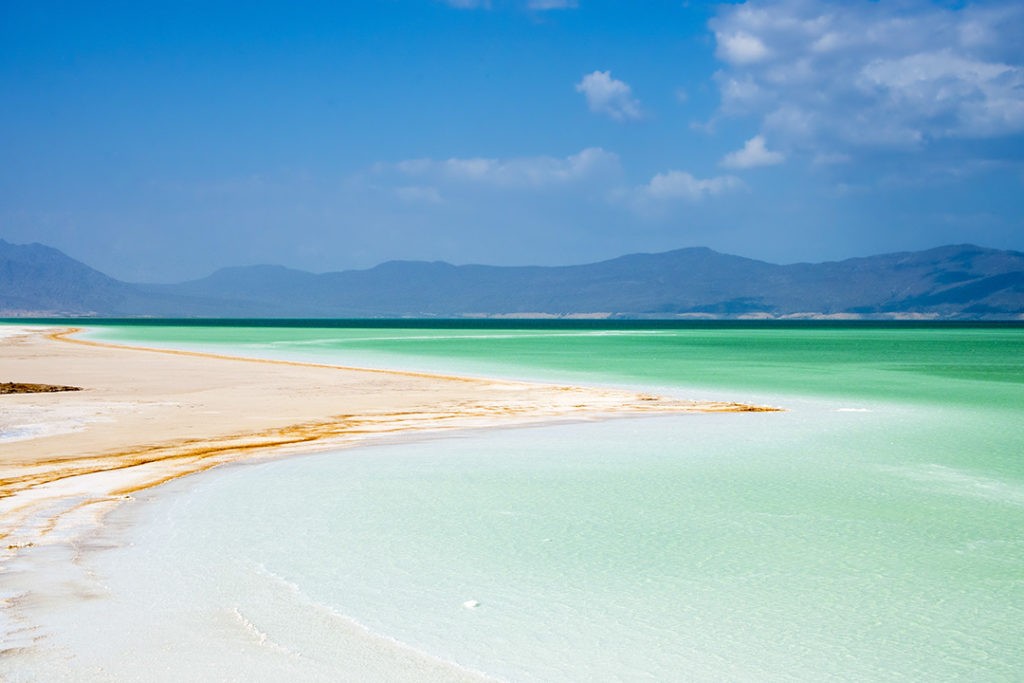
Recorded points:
(672, 185)
(831, 78)
(521, 172)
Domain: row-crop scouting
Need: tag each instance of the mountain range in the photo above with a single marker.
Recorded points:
(964, 282)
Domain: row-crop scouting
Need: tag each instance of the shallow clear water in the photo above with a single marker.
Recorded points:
(873, 531)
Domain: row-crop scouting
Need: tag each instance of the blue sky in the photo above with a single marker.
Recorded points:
(159, 141)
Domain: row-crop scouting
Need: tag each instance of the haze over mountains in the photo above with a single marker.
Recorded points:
(951, 282)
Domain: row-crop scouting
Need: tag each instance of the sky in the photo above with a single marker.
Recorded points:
(159, 141)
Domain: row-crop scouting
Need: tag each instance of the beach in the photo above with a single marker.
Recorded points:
(144, 417)
(505, 529)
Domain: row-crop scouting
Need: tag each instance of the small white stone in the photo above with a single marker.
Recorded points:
(471, 604)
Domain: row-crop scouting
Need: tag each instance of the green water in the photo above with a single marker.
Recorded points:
(873, 531)
(972, 365)
(972, 368)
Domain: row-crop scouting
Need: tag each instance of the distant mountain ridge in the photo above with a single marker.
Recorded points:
(951, 282)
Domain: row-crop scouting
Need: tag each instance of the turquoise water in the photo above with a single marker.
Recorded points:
(874, 531)
(976, 365)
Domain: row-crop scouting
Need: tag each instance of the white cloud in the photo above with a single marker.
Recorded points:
(960, 96)
(682, 185)
(522, 172)
(740, 48)
(833, 78)
(753, 154)
(606, 95)
(542, 5)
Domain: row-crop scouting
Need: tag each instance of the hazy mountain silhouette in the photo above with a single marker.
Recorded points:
(955, 282)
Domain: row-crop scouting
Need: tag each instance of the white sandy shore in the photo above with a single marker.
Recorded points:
(146, 416)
